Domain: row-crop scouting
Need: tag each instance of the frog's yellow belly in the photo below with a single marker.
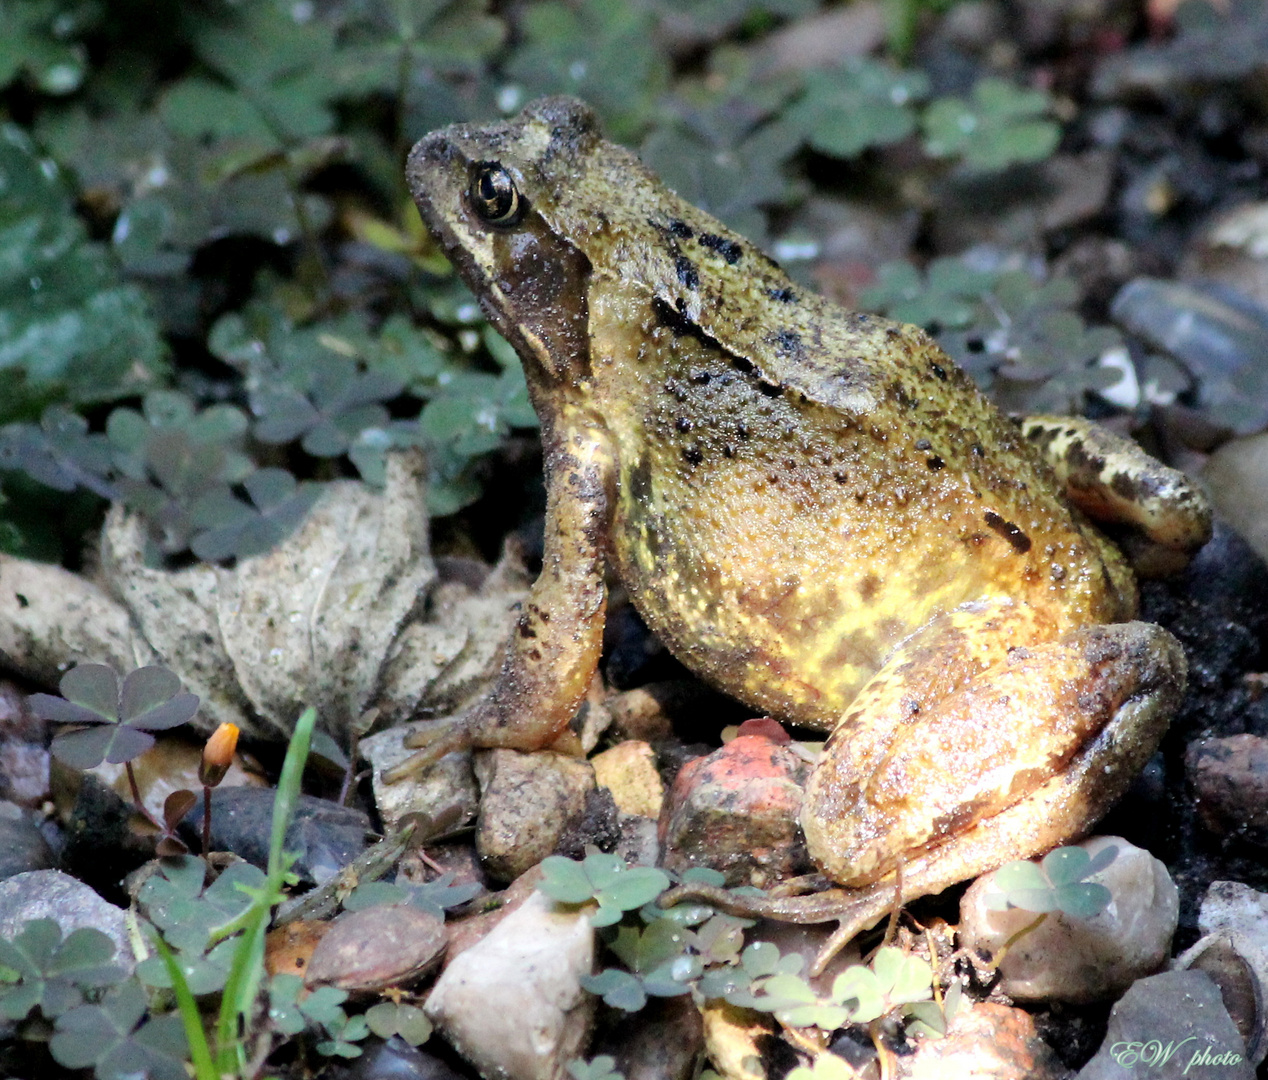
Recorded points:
(790, 591)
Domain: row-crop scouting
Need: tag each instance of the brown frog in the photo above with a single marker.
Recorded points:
(816, 511)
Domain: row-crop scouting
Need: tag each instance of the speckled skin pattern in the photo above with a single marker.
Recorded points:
(814, 509)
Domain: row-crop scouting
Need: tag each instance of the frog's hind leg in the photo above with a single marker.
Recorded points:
(1166, 518)
(927, 755)
(953, 761)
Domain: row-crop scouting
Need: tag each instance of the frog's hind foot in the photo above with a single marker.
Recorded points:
(853, 910)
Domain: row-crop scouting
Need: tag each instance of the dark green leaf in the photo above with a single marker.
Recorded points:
(115, 743)
(94, 686)
(618, 988)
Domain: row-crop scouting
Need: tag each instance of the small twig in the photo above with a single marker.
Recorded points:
(884, 1055)
(892, 928)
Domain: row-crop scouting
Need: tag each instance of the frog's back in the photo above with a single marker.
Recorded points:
(800, 487)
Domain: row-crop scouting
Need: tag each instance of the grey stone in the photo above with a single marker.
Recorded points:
(526, 803)
(1081, 960)
(22, 846)
(1170, 1025)
(50, 894)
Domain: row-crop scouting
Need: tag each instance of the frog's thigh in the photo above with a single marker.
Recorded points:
(1111, 479)
(554, 649)
(1028, 750)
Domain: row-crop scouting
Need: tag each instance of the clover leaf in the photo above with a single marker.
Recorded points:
(999, 125)
(946, 296)
(51, 973)
(59, 453)
(861, 104)
(37, 40)
(115, 1039)
(389, 1018)
(434, 897)
(1057, 883)
(119, 718)
(71, 328)
(603, 1067)
(604, 878)
(596, 50)
(230, 527)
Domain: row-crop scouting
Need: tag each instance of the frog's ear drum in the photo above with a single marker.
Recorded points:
(494, 197)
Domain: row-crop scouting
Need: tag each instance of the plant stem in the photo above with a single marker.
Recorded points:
(998, 958)
(136, 799)
(206, 823)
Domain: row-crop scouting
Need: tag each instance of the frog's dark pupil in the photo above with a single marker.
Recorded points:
(495, 196)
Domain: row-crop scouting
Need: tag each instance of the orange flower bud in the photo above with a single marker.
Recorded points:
(218, 755)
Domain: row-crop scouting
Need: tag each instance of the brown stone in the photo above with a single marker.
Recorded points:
(736, 810)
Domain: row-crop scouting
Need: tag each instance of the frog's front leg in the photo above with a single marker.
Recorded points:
(555, 645)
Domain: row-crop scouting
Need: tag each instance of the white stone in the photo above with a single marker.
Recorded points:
(512, 1003)
(1081, 960)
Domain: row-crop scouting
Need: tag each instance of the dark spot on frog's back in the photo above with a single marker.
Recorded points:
(681, 230)
(641, 480)
(728, 249)
(1010, 532)
(788, 342)
(784, 296)
(686, 271)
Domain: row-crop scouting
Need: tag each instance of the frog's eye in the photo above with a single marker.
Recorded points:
(494, 196)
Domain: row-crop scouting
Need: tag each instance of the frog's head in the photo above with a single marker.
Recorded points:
(501, 199)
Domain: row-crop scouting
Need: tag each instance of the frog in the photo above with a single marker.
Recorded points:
(817, 512)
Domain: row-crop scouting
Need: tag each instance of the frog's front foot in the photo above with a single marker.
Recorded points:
(431, 744)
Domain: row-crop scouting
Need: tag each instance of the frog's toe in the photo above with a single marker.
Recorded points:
(430, 745)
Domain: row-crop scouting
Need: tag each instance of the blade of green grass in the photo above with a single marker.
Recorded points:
(242, 986)
(199, 1051)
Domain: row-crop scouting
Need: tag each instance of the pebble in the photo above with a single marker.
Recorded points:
(659, 1042)
(1213, 331)
(50, 894)
(1240, 913)
(24, 757)
(444, 791)
(324, 835)
(1229, 959)
(512, 1004)
(1081, 960)
(22, 845)
(392, 1059)
(639, 714)
(736, 811)
(1236, 478)
(1168, 1026)
(1230, 778)
(376, 948)
(1232, 249)
(990, 1041)
(465, 931)
(628, 770)
(525, 806)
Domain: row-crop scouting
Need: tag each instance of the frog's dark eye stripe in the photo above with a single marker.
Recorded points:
(494, 196)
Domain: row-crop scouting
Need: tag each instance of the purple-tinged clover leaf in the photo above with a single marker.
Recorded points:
(115, 720)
